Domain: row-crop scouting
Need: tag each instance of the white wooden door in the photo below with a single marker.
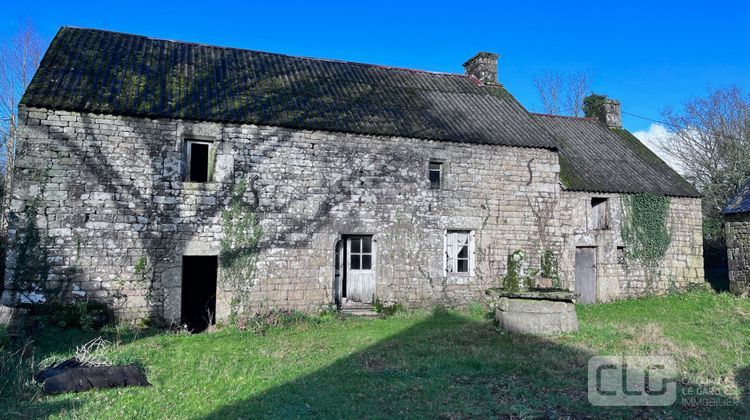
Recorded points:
(360, 264)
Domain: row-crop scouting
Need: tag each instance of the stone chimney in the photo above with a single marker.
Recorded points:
(611, 114)
(604, 109)
(483, 66)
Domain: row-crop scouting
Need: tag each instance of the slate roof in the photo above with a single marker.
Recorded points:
(97, 71)
(114, 73)
(595, 158)
(740, 203)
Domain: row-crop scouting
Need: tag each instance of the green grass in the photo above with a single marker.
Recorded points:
(442, 363)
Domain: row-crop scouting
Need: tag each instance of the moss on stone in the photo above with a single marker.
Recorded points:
(516, 276)
(550, 268)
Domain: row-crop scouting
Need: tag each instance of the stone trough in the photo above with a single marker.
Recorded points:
(537, 312)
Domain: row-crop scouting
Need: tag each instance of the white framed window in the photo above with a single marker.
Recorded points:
(459, 252)
(199, 156)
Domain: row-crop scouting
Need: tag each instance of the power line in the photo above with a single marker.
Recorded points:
(655, 120)
(665, 123)
(681, 127)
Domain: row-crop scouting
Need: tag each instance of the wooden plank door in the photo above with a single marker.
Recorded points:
(360, 276)
(339, 273)
(586, 274)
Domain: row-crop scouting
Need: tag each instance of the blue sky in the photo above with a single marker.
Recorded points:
(648, 55)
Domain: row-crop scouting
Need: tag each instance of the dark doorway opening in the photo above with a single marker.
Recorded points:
(199, 292)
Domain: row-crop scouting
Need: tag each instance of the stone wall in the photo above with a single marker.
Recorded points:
(737, 228)
(107, 196)
(617, 275)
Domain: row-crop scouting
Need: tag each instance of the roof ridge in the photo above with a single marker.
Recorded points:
(297, 57)
(540, 114)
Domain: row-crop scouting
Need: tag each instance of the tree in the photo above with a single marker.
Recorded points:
(711, 141)
(593, 106)
(19, 58)
(563, 93)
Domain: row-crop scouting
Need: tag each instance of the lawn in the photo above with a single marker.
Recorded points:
(440, 363)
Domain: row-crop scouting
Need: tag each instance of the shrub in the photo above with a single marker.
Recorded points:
(329, 312)
(387, 310)
(260, 323)
(479, 310)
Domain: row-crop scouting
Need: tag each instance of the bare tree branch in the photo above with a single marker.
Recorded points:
(710, 141)
(578, 86)
(549, 86)
(19, 58)
(563, 93)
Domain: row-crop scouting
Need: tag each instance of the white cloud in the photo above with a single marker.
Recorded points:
(654, 138)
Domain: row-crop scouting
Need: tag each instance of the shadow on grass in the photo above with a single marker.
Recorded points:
(449, 367)
(446, 366)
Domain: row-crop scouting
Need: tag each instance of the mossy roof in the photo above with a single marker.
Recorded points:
(596, 158)
(114, 73)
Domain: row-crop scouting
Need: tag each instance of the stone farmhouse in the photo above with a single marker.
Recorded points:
(172, 179)
(737, 230)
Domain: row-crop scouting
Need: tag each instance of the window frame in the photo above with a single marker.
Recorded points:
(441, 173)
(361, 253)
(451, 268)
(189, 142)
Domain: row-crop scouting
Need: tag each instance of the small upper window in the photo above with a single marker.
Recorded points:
(458, 251)
(436, 175)
(198, 161)
(600, 213)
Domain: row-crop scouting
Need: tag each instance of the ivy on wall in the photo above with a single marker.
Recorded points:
(31, 277)
(644, 226)
(32, 268)
(240, 245)
(144, 276)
